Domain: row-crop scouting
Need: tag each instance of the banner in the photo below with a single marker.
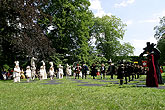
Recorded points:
(144, 63)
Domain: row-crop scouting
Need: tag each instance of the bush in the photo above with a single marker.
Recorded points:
(6, 67)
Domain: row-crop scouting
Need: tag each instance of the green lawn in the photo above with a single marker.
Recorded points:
(69, 96)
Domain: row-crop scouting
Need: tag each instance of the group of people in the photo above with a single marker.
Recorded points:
(129, 71)
(124, 70)
(32, 73)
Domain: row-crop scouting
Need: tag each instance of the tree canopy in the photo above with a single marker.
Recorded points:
(20, 34)
(160, 29)
(160, 36)
(71, 22)
(108, 31)
(59, 30)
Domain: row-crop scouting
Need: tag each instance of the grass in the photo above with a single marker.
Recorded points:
(69, 96)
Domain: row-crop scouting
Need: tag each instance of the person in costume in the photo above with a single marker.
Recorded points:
(112, 70)
(28, 73)
(22, 74)
(42, 72)
(93, 70)
(103, 71)
(68, 71)
(33, 68)
(151, 80)
(120, 73)
(51, 70)
(33, 72)
(44, 69)
(77, 71)
(60, 72)
(16, 72)
(84, 70)
(152, 75)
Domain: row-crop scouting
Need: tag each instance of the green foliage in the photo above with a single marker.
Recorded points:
(35, 27)
(161, 47)
(108, 30)
(160, 36)
(20, 35)
(56, 58)
(6, 67)
(160, 29)
(71, 22)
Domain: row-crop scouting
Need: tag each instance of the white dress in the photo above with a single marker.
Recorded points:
(28, 73)
(42, 72)
(60, 72)
(16, 74)
(68, 70)
(51, 72)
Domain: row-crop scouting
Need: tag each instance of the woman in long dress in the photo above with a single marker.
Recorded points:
(151, 80)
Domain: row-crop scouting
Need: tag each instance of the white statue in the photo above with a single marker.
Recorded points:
(42, 72)
(16, 72)
(33, 61)
(60, 72)
(68, 71)
(33, 68)
(44, 68)
(33, 72)
(28, 73)
(51, 70)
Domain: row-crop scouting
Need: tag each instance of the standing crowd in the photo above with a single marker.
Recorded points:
(124, 70)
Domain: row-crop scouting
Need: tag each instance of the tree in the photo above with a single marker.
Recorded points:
(107, 31)
(125, 50)
(160, 36)
(20, 34)
(161, 47)
(71, 22)
(160, 29)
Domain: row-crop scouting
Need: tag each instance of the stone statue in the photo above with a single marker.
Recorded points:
(33, 61)
(60, 72)
(68, 71)
(16, 72)
(33, 68)
(42, 72)
(51, 70)
(44, 69)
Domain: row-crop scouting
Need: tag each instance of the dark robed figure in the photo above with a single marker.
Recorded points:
(153, 74)
(151, 80)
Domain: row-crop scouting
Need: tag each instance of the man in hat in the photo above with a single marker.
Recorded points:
(152, 76)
